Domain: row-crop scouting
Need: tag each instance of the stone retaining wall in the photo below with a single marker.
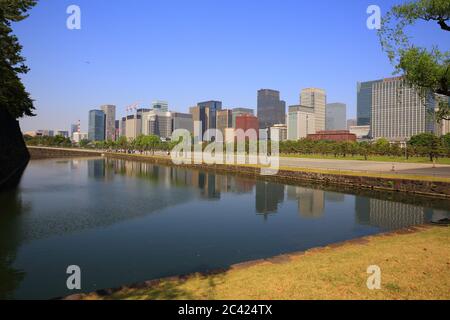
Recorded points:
(428, 188)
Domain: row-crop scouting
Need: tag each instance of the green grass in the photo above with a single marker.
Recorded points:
(413, 266)
(370, 158)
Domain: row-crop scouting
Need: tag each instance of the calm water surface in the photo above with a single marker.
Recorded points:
(124, 222)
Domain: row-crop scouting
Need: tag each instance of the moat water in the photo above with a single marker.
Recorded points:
(124, 222)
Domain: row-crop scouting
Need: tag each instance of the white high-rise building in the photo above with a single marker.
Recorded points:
(155, 122)
(301, 122)
(317, 99)
(399, 112)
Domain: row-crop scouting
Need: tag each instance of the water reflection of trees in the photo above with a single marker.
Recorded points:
(10, 240)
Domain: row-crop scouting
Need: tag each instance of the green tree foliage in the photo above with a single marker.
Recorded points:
(13, 96)
(422, 68)
(56, 141)
(426, 143)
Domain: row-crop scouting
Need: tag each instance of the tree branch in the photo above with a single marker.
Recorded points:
(443, 24)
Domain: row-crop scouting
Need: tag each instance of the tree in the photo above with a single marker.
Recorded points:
(13, 96)
(422, 68)
(426, 143)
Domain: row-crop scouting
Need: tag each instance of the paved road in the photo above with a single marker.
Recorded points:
(368, 166)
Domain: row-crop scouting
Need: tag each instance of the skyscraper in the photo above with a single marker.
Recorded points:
(271, 110)
(317, 99)
(240, 112)
(224, 120)
(336, 116)
(206, 112)
(364, 102)
(96, 125)
(182, 121)
(159, 105)
(301, 122)
(110, 121)
(399, 112)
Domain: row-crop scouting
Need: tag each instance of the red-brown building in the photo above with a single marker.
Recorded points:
(338, 135)
(246, 122)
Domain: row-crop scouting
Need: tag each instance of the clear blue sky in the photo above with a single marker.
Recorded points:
(186, 51)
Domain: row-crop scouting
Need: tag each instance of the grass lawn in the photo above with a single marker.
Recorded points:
(414, 266)
(370, 158)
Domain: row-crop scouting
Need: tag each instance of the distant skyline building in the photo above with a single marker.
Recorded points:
(224, 120)
(96, 125)
(247, 122)
(239, 112)
(133, 126)
(351, 123)
(182, 121)
(364, 102)
(399, 112)
(206, 113)
(157, 123)
(361, 132)
(271, 109)
(280, 130)
(336, 116)
(62, 133)
(301, 122)
(110, 121)
(73, 129)
(315, 98)
(160, 105)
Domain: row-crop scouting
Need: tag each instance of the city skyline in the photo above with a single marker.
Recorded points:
(95, 65)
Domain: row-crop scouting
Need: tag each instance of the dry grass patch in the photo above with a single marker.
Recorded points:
(414, 266)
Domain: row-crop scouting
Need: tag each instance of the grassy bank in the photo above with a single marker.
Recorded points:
(370, 158)
(414, 265)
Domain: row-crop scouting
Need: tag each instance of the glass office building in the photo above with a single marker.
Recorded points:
(96, 125)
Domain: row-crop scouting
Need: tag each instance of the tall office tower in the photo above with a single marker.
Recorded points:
(398, 111)
(317, 99)
(182, 121)
(160, 105)
(301, 122)
(364, 102)
(224, 120)
(336, 116)
(133, 126)
(117, 129)
(123, 126)
(271, 110)
(96, 125)
(240, 112)
(157, 123)
(110, 121)
(206, 112)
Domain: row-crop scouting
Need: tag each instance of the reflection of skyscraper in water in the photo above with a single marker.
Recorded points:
(206, 182)
(334, 197)
(311, 202)
(388, 214)
(362, 210)
(268, 196)
(96, 168)
(395, 215)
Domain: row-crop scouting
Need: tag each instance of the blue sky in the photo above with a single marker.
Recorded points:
(186, 51)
